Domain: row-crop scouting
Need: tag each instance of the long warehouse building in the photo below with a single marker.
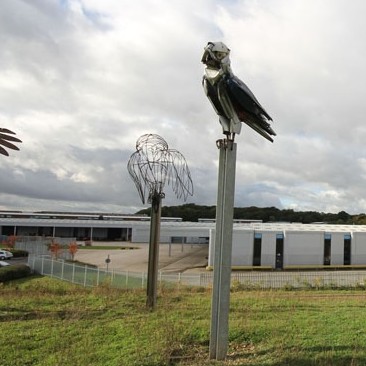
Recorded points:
(255, 244)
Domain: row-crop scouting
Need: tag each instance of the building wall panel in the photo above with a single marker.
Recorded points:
(242, 249)
(337, 248)
(302, 248)
(358, 248)
(269, 249)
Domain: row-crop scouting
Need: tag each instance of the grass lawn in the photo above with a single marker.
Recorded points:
(44, 321)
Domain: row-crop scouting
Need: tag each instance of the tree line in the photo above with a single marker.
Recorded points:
(193, 212)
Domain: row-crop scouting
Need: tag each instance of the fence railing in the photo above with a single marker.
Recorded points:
(295, 280)
(87, 275)
(92, 276)
(38, 245)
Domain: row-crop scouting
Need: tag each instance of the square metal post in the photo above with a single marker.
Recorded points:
(223, 250)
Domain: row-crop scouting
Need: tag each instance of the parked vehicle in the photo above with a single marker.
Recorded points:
(4, 254)
(4, 264)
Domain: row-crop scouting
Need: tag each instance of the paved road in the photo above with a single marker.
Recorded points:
(173, 258)
(21, 260)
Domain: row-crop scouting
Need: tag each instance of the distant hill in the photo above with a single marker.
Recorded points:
(193, 212)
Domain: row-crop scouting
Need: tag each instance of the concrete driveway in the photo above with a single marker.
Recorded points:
(173, 258)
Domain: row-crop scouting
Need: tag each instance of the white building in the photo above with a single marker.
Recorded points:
(96, 227)
(265, 245)
(296, 245)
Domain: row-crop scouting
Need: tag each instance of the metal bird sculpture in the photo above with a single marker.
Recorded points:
(231, 98)
(5, 137)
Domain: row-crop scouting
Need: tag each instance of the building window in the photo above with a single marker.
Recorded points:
(279, 251)
(257, 250)
(347, 249)
(178, 239)
(327, 248)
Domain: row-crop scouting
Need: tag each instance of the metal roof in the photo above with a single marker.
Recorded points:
(278, 227)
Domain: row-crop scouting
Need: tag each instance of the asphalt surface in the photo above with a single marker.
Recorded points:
(173, 258)
(21, 260)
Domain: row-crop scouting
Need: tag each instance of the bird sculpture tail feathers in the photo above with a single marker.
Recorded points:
(263, 129)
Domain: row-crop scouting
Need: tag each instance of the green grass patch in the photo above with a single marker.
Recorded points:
(48, 322)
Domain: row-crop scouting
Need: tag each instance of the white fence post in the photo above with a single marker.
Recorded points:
(62, 270)
(86, 269)
(73, 273)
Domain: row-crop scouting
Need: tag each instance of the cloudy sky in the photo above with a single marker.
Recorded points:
(82, 80)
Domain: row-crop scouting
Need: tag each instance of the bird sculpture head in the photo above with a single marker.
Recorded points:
(216, 54)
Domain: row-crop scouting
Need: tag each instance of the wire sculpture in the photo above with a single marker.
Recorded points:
(154, 164)
(5, 137)
(151, 166)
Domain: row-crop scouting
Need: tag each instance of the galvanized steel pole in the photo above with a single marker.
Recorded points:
(222, 250)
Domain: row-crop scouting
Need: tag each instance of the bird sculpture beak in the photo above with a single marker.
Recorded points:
(205, 56)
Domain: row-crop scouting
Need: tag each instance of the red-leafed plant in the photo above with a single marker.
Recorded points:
(55, 249)
(73, 248)
(10, 241)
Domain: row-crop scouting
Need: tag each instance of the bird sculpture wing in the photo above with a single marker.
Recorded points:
(5, 138)
(247, 107)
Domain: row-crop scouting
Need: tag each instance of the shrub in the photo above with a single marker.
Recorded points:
(19, 253)
(9, 273)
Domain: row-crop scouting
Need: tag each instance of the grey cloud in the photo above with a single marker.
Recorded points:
(82, 80)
